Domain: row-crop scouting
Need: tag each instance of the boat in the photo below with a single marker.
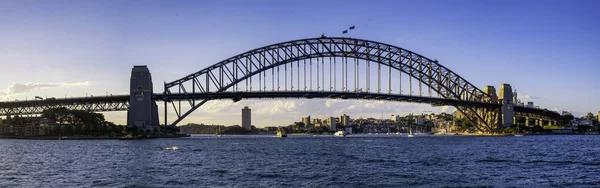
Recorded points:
(128, 137)
(281, 133)
(340, 133)
(171, 148)
(518, 132)
(410, 133)
(218, 133)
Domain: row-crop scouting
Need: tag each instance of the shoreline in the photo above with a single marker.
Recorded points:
(84, 137)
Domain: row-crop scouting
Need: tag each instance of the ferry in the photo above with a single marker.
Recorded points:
(340, 133)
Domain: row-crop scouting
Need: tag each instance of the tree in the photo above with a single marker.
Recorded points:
(67, 130)
(590, 116)
(565, 119)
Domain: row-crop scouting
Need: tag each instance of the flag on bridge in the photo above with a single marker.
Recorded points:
(345, 31)
(352, 27)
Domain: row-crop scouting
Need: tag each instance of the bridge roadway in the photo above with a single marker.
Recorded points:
(121, 102)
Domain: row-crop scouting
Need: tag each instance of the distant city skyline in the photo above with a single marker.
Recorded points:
(65, 48)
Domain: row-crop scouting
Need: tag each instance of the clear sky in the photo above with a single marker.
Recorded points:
(547, 50)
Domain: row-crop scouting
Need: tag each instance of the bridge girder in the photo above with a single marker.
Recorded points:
(91, 104)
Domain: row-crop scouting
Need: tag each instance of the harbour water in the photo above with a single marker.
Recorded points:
(304, 161)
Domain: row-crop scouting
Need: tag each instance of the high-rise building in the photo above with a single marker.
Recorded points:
(515, 99)
(306, 121)
(331, 123)
(345, 120)
(246, 118)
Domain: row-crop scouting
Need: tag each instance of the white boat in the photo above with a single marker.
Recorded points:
(171, 148)
(340, 133)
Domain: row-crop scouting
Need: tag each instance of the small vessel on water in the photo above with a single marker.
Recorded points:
(281, 133)
(340, 133)
(171, 148)
(410, 133)
(518, 134)
(218, 133)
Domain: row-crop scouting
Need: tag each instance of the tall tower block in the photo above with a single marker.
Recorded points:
(247, 118)
(143, 112)
(506, 98)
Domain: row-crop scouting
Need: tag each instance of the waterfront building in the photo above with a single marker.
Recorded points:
(316, 121)
(581, 122)
(246, 118)
(344, 120)
(598, 121)
(420, 120)
(331, 123)
(306, 121)
(395, 118)
(530, 104)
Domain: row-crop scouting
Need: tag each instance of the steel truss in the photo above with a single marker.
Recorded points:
(239, 72)
(91, 104)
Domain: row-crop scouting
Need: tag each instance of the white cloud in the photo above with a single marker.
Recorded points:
(276, 107)
(217, 106)
(17, 88)
(528, 98)
(448, 109)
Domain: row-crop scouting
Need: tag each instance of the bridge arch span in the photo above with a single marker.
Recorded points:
(238, 71)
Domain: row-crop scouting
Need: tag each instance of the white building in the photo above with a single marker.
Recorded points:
(246, 118)
(579, 121)
(395, 118)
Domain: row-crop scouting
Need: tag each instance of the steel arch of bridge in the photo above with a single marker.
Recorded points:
(227, 75)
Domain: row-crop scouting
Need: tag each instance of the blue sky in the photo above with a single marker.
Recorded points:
(547, 50)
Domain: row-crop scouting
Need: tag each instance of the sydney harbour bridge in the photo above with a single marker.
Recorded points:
(324, 67)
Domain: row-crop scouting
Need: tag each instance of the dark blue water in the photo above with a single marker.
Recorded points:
(305, 161)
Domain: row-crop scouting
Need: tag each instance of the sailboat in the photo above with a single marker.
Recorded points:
(410, 134)
(518, 132)
(218, 133)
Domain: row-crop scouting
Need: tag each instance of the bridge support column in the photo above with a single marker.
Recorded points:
(527, 121)
(537, 122)
(143, 112)
(549, 123)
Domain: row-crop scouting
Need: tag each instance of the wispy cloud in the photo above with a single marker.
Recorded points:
(17, 88)
(529, 97)
(448, 109)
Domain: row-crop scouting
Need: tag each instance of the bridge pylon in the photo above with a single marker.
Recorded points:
(143, 112)
(506, 99)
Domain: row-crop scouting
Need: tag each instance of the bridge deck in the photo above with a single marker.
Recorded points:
(121, 102)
